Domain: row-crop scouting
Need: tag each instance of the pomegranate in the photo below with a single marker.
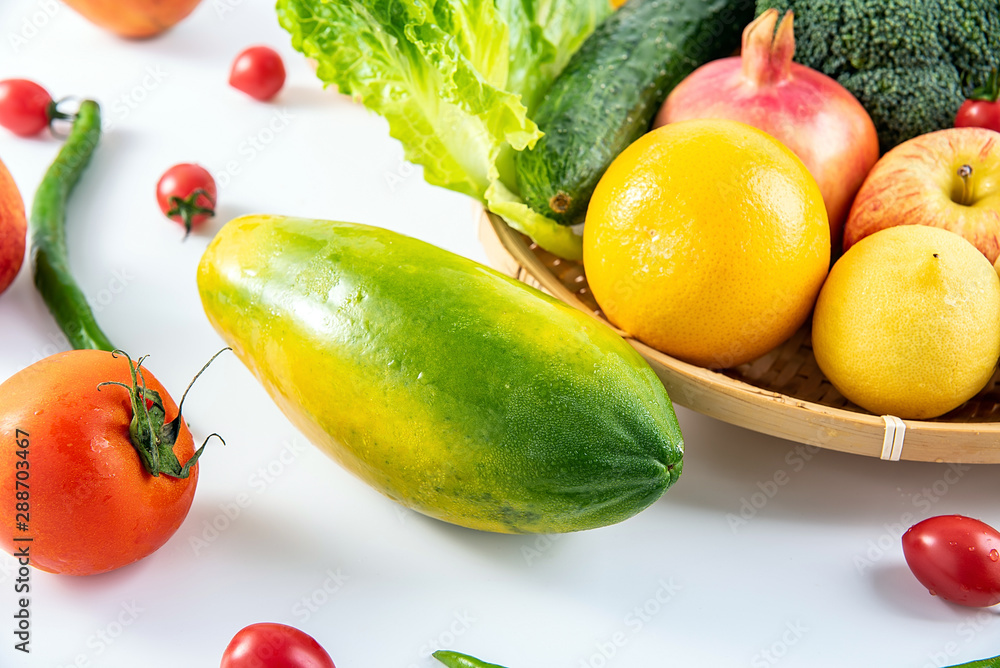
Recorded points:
(813, 115)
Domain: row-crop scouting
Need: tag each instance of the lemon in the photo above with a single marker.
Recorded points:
(707, 240)
(908, 322)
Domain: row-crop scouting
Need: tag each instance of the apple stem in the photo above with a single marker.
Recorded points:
(965, 171)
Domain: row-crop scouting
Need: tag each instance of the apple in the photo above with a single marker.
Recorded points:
(134, 18)
(949, 179)
(13, 229)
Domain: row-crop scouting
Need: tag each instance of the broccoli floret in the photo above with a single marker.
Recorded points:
(909, 62)
(970, 32)
(897, 97)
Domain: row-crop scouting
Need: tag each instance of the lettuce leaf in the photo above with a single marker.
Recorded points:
(456, 79)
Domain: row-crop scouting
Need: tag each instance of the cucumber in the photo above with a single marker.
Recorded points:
(455, 390)
(612, 87)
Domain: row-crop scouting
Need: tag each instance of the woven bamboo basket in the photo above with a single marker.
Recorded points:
(782, 393)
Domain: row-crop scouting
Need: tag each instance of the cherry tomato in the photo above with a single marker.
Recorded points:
(25, 107)
(979, 114)
(956, 558)
(76, 485)
(982, 109)
(270, 645)
(187, 194)
(258, 72)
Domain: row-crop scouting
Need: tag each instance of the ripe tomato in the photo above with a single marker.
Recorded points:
(25, 107)
(270, 645)
(982, 109)
(258, 72)
(89, 505)
(979, 114)
(187, 194)
(956, 558)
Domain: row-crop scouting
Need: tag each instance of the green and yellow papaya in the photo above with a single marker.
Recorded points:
(449, 387)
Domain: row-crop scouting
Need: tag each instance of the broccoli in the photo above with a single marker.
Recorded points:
(910, 63)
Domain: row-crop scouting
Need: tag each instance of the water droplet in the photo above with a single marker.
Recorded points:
(964, 588)
(972, 548)
(933, 593)
(952, 543)
(994, 555)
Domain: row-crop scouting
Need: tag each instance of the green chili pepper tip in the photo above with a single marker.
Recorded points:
(993, 662)
(457, 660)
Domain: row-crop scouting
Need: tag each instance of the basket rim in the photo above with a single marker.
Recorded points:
(721, 396)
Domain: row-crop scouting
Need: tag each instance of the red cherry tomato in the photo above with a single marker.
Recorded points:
(979, 114)
(956, 558)
(187, 194)
(270, 645)
(982, 109)
(258, 72)
(25, 107)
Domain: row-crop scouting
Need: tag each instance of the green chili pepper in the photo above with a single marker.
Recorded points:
(53, 279)
(993, 662)
(457, 660)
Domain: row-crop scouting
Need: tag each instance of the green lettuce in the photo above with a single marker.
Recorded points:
(456, 79)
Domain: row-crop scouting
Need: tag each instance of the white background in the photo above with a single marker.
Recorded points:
(812, 575)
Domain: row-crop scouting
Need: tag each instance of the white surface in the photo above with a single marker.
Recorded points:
(813, 577)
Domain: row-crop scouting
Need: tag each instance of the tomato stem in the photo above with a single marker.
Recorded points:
(54, 113)
(187, 208)
(152, 437)
(990, 90)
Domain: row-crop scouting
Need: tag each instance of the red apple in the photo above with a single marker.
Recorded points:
(949, 178)
(134, 18)
(13, 228)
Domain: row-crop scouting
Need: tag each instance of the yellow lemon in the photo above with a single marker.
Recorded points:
(908, 322)
(707, 240)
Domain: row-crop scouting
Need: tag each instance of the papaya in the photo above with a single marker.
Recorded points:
(447, 386)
